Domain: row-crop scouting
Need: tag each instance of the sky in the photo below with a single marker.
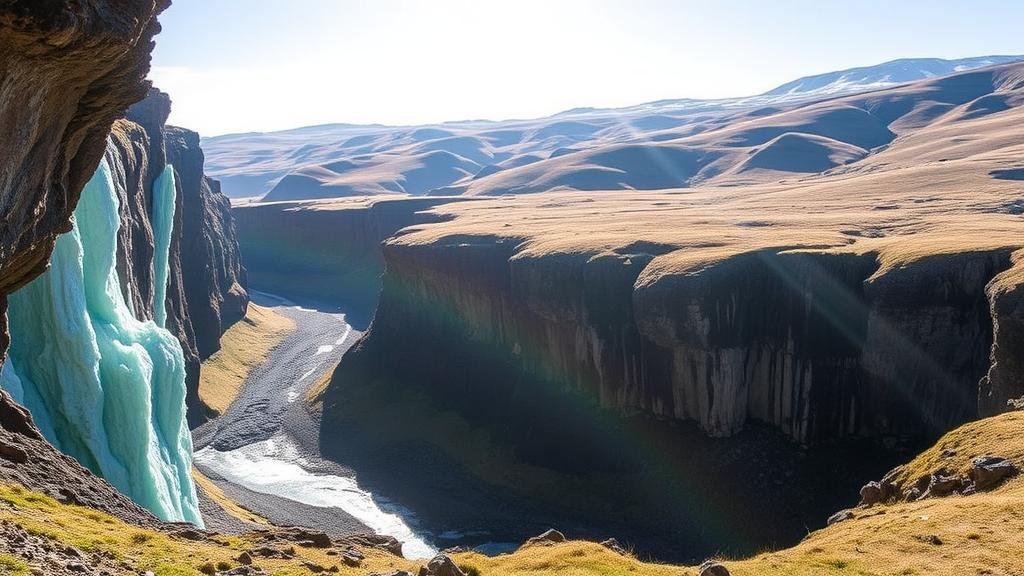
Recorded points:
(263, 65)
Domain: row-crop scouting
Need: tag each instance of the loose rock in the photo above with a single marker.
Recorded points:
(712, 568)
(987, 472)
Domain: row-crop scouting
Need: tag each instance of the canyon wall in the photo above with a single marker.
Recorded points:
(820, 345)
(325, 251)
(205, 293)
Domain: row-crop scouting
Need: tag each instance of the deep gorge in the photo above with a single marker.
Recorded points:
(582, 363)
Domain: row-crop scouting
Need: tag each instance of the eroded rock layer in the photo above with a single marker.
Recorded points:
(205, 293)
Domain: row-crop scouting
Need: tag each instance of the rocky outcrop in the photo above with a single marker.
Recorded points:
(205, 293)
(328, 251)
(68, 71)
(1004, 383)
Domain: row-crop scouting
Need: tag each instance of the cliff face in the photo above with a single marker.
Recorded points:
(68, 72)
(325, 251)
(205, 293)
(819, 345)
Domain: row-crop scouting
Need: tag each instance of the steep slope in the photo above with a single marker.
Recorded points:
(205, 293)
(83, 64)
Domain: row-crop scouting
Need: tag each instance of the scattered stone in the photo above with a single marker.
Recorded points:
(441, 565)
(1016, 404)
(712, 568)
(613, 545)
(870, 494)
(388, 543)
(243, 571)
(307, 538)
(244, 558)
(189, 534)
(313, 567)
(268, 552)
(76, 567)
(987, 472)
(351, 560)
(929, 539)
(841, 516)
(948, 453)
(944, 485)
(550, 536)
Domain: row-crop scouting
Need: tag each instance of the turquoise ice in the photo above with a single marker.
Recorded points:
(103, 386)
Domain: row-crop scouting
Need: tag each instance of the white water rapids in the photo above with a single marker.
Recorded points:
(274, 467)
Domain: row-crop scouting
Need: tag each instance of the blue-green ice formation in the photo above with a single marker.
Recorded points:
(103, 386)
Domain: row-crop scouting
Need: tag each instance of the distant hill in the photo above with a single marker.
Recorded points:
(663, 144)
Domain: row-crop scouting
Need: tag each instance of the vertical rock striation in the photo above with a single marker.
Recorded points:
(205, 293)
(820, 345)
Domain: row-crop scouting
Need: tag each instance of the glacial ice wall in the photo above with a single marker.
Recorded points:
(103, 386)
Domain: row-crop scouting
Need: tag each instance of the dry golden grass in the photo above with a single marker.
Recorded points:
(147, 550)
(957, 535)
(222, 500)
(315, 393)
(243, 347)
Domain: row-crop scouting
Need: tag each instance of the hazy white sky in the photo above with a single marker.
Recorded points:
(258, 65)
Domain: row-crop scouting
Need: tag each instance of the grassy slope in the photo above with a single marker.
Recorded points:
(243, 347)
(141, 550)
(979, 534)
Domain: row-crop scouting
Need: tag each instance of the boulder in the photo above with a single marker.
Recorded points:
(613, 545)
(987, 472)
(871, 494)
(549, 537)
(944, 485)
(840, 516)
(441, 565)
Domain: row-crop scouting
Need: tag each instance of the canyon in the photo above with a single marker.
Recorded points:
(697, 326)
(878, 301)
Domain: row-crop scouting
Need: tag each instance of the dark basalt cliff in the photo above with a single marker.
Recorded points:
(818, 345)
(205, 294)
(589, 366)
